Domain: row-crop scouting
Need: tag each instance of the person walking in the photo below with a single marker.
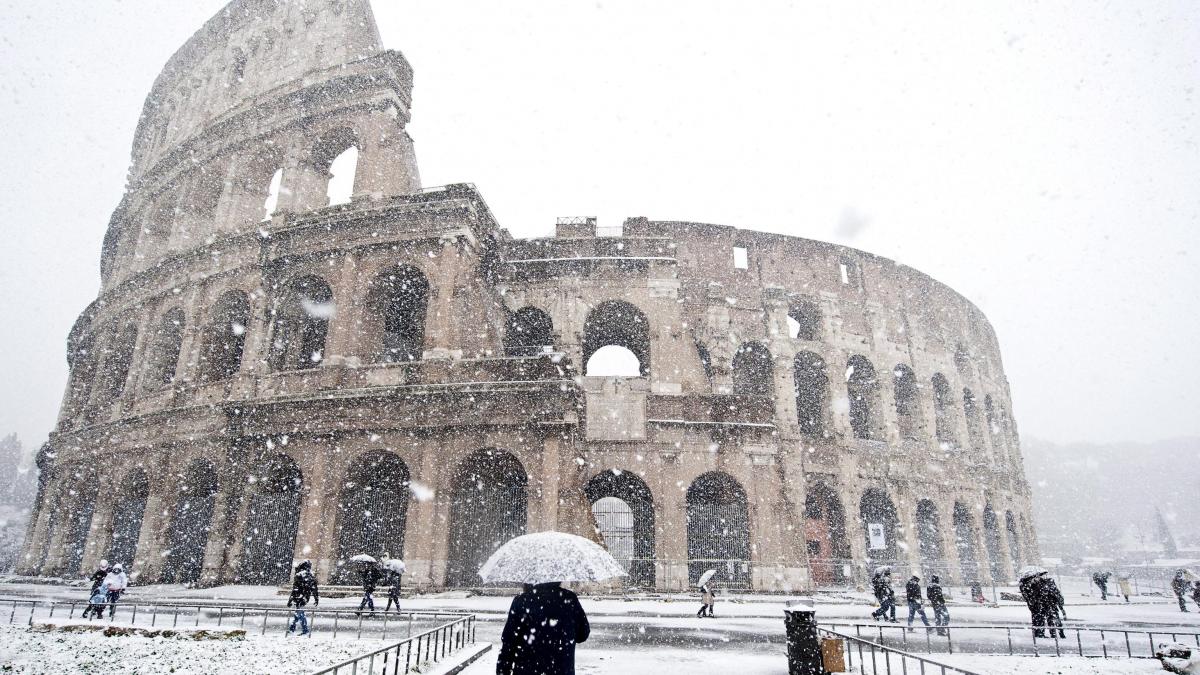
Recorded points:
(1179, 586)
(370, 579)
(304, 588)
(544, 624)
(1196, 593)
(941, 616)
(708, 598)
(99, 575)
(1101, 581)
(912, 593)
(1055, 606)
(1031, 590)
(393, 591)
(116, 581)
(1123, 584)
(881, 583)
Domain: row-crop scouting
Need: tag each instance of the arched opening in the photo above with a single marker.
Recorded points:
(271, 201)
(191, 523)
(862, 387)
(908, 407)
(929, 537)
(272, 521)
(991, 540)
(488, 506)
(825, 535)
(618, 324)
(943, 403)
(752, 370)
(82, 360)
(117, 359)
(613, 361)
(225, 337)
(128, 510)
(164, 351)
(301, 324)
(78, 521)
(397, 303)
(1014, 540)
(624, 512)
(880, 525)
(964, 541)
(374, 509)
(804, 320)
(718, 529)
(812, 385)
(341, 177)
(528, 332)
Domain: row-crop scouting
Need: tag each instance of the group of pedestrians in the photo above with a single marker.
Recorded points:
(881, 585)
(1183, 583)
(1047, 608)
(305, 590)
(109, 583)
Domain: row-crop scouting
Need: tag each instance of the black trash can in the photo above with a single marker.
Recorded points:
(804, 648)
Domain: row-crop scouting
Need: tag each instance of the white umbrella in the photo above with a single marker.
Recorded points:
(706, 577)
(883, 568)
(543, 557)
(1030, 571)
(394, 564)
(363, 558)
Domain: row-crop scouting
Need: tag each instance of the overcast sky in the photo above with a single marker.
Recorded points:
(1041, 158)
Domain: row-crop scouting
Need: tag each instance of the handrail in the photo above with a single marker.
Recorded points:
(888, 654)
(437, 644)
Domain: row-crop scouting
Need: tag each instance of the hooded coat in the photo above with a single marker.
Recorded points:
(304, 587)
(545, 622)
(912, 590)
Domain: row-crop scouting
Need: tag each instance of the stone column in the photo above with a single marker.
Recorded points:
(387, 162)
(342, 330)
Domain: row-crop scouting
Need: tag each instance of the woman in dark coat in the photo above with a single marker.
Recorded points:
(544, 624)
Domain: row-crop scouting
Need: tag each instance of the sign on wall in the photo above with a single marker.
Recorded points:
(876, 535)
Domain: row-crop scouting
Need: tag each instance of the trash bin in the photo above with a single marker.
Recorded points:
(804, 649)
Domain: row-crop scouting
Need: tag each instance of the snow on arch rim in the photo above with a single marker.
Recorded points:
(543, 557)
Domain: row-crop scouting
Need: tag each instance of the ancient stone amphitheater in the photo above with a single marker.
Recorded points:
(299, 352)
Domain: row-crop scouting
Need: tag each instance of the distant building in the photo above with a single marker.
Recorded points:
(277, 368)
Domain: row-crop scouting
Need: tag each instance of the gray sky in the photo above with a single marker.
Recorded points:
(1041, 158)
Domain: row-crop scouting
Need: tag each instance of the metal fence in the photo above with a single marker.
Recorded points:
(262, 620)
(875, 658)
(1019, 640)
(413, 653)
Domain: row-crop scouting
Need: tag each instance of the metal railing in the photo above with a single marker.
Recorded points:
(411, 654)
(331, 622)
(875, 658)
(1019, 640)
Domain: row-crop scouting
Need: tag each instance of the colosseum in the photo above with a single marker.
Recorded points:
(299, 352)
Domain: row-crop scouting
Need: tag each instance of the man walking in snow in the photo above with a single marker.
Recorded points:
(1101, 581)
(545, 622)
(912, 593)
(1179, 585)
(393, 591)
(941, 616)
(881, 583)
(304, 587)
(370, 579)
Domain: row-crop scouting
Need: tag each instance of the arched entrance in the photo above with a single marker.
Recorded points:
(624, 512)
(128, 510)
(191, 523)
(825, 535)
(373, 508)
(718, 529)
(880, 525)
(488, 506)
(272, 519)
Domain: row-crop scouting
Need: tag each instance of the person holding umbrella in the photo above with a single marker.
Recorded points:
(395, 570)
(370, 579)
(545, 621)
(708, 596)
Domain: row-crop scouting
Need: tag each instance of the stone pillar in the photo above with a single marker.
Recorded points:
(670, 523)
(156, 520)
(342, 329)
(906, 511)
(99, 539)
(214, 567)
(387, 161)
(426, 540)
(441, 316)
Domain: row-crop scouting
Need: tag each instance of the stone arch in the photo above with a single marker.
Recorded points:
(812, 391)
(943, 403)
(272, 521)
(618, 323)
(929, 537)
(628, 535)
(165, 344)
(1014, 539)
(964, 541)
(225, 336)
(335, 159)
(528, 332)
(301, 324)
(718, 529)
(373, 510)
(906, 392)
(991, 541)
(397, 304)
(753, 370)
(880, 524)
(128, 511)
(489, 505)
(862, 387)
(191, 523)
(825, 535)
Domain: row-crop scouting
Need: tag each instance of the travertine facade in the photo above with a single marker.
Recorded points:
(397, 374)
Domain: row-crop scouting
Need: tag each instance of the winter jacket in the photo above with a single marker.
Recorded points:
(544, 624)
(707, 596)
(1196, 593)
(1179, 584)
(882, 585)
(99, 595)
(117, 582)
(370, 579)
(1126, 589)
(934, 593)
(912, 590)
(98, 577)
(304, 587)
(1053, 597)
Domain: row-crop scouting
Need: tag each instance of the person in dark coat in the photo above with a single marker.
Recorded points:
(393, 591)
(98, 576)
(545, 622)
(912, 593)
(941, 616)
(881, 583)
(1055, 605)
(304, 588)
(1196, 593)
(1101, 581)
(1031, 590)
(370, 579)
(1179, 585)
